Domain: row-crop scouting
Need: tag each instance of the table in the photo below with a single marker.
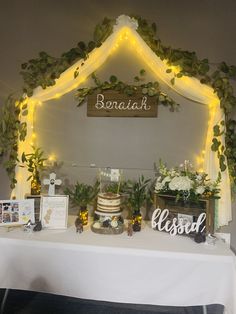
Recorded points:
(150, 267)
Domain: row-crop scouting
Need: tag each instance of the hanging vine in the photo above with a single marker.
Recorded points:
(44, 70)
(11, 129)
(152, 89)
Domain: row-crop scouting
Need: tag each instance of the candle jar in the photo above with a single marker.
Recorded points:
(35, 186)
(83, 215)
(136, 221)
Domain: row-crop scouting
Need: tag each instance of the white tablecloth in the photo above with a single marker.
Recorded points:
(149, 268)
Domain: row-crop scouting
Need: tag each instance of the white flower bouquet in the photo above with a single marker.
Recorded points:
(185, 183)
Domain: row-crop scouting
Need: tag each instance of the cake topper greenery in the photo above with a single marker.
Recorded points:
(44, 70)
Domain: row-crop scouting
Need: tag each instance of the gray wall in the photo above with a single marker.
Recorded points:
(30, 26)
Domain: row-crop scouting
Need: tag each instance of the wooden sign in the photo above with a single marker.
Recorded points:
(114, 104)
(194, 209)
(161, 222)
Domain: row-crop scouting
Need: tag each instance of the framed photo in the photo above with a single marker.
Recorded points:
(54, 211)
(16, 212)
(183, 219)
(37, 199)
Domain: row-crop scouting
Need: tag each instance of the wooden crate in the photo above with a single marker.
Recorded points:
(189, 208)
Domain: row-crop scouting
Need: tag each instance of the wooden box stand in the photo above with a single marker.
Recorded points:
(189, 208)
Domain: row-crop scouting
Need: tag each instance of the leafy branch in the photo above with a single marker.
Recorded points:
(219, 79)
(151, 89)
(11, 130)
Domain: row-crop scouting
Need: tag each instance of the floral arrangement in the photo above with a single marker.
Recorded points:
(186, 183)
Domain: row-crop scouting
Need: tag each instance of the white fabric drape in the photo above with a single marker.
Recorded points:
(191, 88)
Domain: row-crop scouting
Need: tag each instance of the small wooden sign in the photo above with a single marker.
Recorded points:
(114, 104)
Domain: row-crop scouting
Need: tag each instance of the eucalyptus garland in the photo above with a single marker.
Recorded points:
(44, 70)
(152, 89)
(11, 129)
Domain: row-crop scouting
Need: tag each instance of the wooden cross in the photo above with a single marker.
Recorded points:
(52, 182)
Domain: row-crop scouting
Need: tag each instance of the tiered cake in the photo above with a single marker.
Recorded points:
(107, 218)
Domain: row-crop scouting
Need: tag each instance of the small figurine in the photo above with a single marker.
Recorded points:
(130, 229)
(79, 225)
(38, 226)
(28, 226)
(211, 239)
(200, 237)
(136, 226)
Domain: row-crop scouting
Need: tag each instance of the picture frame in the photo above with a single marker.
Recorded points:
(54, 211)
(37, 201)
(16, 212)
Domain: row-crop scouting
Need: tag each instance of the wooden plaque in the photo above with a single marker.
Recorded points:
(195, 209)
(114, 104)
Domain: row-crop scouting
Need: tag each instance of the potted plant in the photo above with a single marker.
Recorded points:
(81, 195)
(137, 195)
(35, 165)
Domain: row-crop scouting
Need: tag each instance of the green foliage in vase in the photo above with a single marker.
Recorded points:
(151, 89)
(11, 130)
(82, 194)
(137, 193)
(34, 162)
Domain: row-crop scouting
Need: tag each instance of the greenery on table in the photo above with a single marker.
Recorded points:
(82, 194)
(34, 162)
(44, 70)
(137, 193)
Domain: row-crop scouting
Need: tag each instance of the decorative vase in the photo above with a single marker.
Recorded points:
(136, 221)
(83, 215)
(35, 186)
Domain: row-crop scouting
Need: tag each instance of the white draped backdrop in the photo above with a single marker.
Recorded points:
(191, 88)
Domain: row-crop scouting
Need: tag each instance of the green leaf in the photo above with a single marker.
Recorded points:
(216, 130)
(113, 79)
(144, 91)
(24, 107)
(215, 145)
(142, 72)
(24, 113)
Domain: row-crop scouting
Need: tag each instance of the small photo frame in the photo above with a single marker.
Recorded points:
(183, 219)
(16, 212)
(54, 211)
(37, 199)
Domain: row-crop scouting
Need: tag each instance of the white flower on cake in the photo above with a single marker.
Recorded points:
(182, 183)
(97, 225)
(114, 223)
